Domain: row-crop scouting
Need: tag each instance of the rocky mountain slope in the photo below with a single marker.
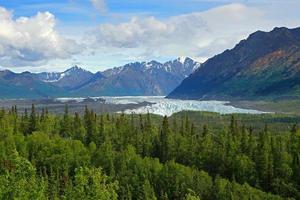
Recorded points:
(265, 65)
(69, 79)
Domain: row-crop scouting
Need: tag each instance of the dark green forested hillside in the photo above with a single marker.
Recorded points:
(44, 156)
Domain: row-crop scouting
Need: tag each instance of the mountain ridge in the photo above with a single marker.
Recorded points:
(146, 78)
(154, 78)
(256, 67)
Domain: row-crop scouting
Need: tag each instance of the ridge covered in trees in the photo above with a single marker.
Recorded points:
(46, 156)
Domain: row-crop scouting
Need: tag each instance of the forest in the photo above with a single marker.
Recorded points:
(118, 156)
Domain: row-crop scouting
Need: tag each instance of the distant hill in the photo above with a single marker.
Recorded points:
(140, 78)
(25, 85)
(265, 65)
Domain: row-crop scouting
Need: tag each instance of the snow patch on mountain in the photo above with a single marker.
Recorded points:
(182, 59)
(49, 77)
(197, 66)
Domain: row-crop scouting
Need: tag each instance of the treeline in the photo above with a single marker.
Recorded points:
(45, 156)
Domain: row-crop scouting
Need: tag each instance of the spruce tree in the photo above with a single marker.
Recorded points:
(32, 120)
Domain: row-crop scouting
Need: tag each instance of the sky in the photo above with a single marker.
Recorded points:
(99, 34)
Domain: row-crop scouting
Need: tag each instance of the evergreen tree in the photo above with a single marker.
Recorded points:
(164, 142)
(32, 120)
(78, 128)
(66, 124)
(148, 192)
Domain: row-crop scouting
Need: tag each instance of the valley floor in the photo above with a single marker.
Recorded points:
(57, 107)
(278, 106)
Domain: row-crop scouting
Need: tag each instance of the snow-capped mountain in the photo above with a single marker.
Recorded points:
(141, 78)
(183, 66)
(71, 78)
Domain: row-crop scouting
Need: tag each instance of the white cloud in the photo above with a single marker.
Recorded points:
(99, 5)
(35, 42)
(199, 35)
(32, 41)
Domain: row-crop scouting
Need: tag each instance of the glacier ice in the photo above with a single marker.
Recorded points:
(161, 106)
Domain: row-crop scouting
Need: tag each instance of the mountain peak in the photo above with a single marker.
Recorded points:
(75, 68)
(285, 29)
(154, 62)
(283, 33)
(280, 29)
(182, 59)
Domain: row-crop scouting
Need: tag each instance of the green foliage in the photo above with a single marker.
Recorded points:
(43, 156)
(18, 179)
(91, 184)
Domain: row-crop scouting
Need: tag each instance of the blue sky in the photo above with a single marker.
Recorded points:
(82, 11)
(62, 8)
(98, 34)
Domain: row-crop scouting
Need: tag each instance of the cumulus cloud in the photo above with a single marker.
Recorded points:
(32, 41)
(199, 34)
(99, 5)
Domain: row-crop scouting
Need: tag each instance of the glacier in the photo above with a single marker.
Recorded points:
(166, 107)
(162, 106)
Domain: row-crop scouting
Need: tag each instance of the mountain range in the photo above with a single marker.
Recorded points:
(139, 78)
(265, 65)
